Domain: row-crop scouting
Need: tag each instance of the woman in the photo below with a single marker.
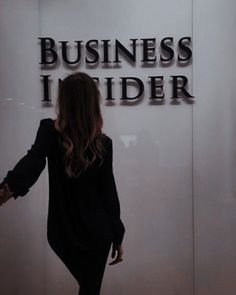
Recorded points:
(84, 210)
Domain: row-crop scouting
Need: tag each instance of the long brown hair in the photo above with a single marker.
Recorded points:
(79, 122)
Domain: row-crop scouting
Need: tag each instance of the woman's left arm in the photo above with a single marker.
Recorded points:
(28, 169)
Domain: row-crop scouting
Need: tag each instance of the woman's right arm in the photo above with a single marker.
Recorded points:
(29, 167)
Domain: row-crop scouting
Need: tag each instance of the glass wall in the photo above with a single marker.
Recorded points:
(173, 159)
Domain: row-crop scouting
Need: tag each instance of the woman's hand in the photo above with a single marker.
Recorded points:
(5, 194)
(119, 250)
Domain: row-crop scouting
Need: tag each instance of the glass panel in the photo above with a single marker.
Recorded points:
(152, 141)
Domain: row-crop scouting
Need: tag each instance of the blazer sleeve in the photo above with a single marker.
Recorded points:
(110, 195)
(28, 169)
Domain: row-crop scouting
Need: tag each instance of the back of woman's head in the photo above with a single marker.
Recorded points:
(79, 122)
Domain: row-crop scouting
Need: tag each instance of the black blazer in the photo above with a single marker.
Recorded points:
(84, 212)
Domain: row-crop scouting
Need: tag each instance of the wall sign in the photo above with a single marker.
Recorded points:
(111, 54)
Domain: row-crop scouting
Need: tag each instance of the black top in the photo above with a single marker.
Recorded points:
(84, 212)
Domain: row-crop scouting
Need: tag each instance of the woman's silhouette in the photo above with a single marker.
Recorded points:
(84, 210)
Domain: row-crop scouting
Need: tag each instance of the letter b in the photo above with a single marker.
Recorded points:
(47, 50)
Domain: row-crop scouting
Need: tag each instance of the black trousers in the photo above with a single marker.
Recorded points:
(87, 267)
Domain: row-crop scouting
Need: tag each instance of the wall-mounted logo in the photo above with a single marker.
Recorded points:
(109, 56)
